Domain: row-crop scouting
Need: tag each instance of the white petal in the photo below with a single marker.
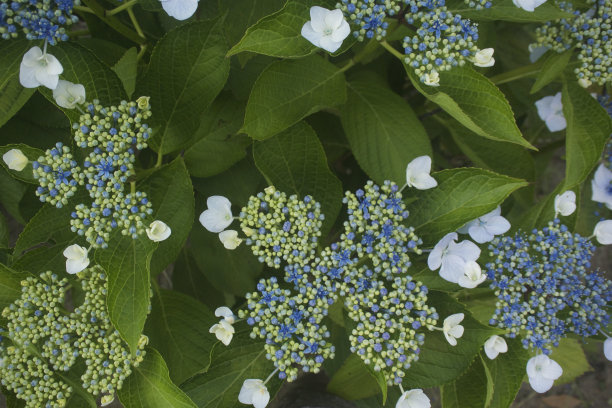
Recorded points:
(540, 384)
(453, 268)
(543, 107)
(261, 397)
(230, 239)
(15, 159)
(341, 32)
(497, 225)
(456, 331)
(536, 52)
(435, 256)
(424, 181)
(27, 76)
(334, 19)
(556, 123)
(552, 370)
(32, 57)
(226, 313)
(608, 348)
(326, 43)
(180, 9)
(454, 319)
(311, 35)
(480, 234)
(53, 65)
(602, 176)
(75, 251)
(158, 231)
(467, 250)
(565, 204)
(603, 232)
(48, 80)
(421, 164)
(317, 18)
(491, 352)
(451, 340)
(76, 265)
(413, 399)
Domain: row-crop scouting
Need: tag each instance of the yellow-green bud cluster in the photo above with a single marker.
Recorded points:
(280, 227)
(590, 31)
(43, 340)
(58, 175)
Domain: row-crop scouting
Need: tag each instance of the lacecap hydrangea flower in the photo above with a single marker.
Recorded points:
(39, 68)
(37, 19)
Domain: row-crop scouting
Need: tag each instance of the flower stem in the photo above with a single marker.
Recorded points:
(83, 9)
(133, 187)
(122, 7)
(347, 65)
(159, 159)
(401, 388)
(518, 73)
(135, 22)
(113, 22)
(392, 50)
(270, 376)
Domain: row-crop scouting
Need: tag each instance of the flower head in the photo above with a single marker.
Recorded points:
(452, 329)
(39, 69)
(565, 204)
(451, 257)
(602, 186)
(158, 231)
(76, 258)
(230, 239)
(15, 159)
(483, 229)
(254, 392)
(472, 276)
(603, 232)
(180, 9)
(413, 399)
(326, 29)
(484, 58)
(495, 345)
(550, 111)
(69, 95)
(224, 331)
(528, 5)
(542, 372)
(417, 174)
(218, 215)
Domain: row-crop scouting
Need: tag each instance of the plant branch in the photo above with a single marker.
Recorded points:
(113, 22)
(122, 7)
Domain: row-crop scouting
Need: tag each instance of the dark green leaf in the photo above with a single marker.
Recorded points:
(472, 389)
(4, 233)
(12, 94)
(126, 69)
(10, 285)
(189, 279)
(553, 64)
(245, 13)
(507, 372)
(354, 380)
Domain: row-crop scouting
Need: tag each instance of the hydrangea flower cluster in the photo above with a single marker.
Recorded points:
(365, 267)
(37, 19)
(545, 288)
(111, 136)
(43, 340)
(589, 31)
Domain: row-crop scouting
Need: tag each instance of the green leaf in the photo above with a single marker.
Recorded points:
(12, 193)
(4, 232)
(472, 389)
(10, 285)
(383, 131)
(570, 356)
(127, 69)
(289, 90)
(126, 262)
(188, 69)
(355, 380)
(149, 386)
(12, 94)
(187, 278)
(439, 362)
(506, 10)
(218, 146)
(171, 193)
(507, 372)
(553, 64)
(245, 13)
(31, 153)
(279, 34)
(294, 162)
(475, 102)
(220, 385)
(588, 128)
(178, 328)
(462, 195)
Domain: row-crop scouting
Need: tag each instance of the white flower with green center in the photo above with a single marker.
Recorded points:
(230, 239)
(550, 110)
(603, 232)
(158, 231)
(542, 372)
(224, 331)
(326, 29)
(431, 78)
(69, 95)
(76, 259)
(39, 68)
(450, 257)
(413, 399)
(218, 216)
(472, 276)
(15, 159)
(484, 58)
(483, 229)
(452, 329)
(495, 345)
(417, 174)
(565, 204)
(254, 392)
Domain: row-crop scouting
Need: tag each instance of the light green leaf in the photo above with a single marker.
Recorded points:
(218, 146)
(178, 328)
(506, 10)
(171, 193)
(12, 94)
(219, 387)
(507, 372)
(570, 356)
(289, 90)
(383, 131)
(553, 64)
(127, 262)
(127, 69)
(472, 389)
(354, 380)
(294, 162)
(31, 153)
(588, 128)
(462, 195)
(149, 386)
(188, 69)
(475, 102)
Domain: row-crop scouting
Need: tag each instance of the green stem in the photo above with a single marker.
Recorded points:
(347, 65)
(135, 22)
(518, 73)
(83, 9)
(133, 187)
(122, 7)
(114, 23)
(159, 158)
(392, 50)
(141, 53)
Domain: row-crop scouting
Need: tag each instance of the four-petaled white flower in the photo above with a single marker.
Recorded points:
(484, 58)
(226, 313)
(417, 174)
(230, 239)
(603, 232)
(15, 159)
(451, 257)
(326, 28)
(413, 399)
(218, 216)
(158, 231)
(38, 68)
(106, 400)
(452, 329)
(254, 392)
(542, 372)
(528, 5)
(495, 345)
(565, 204)
(224, 331)
(69, 95)
(472, 276)
(76, 259)
(179, 9)
(608, 348)
(484, 228)
(602, 186)
(432, 78)
(550, 110)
